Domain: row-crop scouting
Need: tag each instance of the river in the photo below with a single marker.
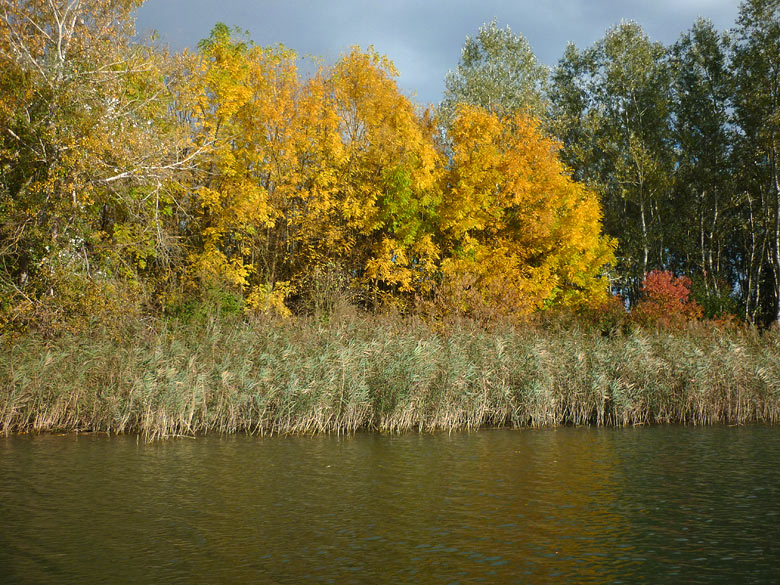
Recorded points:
(569, 505)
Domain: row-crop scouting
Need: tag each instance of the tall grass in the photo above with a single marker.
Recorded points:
(385, 374)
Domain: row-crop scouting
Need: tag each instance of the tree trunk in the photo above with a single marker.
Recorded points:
(644, 235)
(776, 242)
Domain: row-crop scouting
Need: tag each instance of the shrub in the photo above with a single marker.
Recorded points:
(608, 316)
(665, 300)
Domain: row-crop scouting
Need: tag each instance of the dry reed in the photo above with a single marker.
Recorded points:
(375, 373)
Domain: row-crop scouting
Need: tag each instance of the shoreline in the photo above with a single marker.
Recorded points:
(379, 433)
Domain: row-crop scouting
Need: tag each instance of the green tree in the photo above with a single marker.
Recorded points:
(610, 106)
(498, 72)
(705, 233)
(756, 69)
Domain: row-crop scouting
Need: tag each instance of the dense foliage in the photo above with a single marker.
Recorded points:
(681, 143)
(134, 179)
(134, 182)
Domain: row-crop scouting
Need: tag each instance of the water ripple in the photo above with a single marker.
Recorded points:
(652, 505)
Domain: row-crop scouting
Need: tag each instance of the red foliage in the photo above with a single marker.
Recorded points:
(665, 300)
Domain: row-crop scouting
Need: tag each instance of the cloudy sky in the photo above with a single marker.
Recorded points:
(423, 37)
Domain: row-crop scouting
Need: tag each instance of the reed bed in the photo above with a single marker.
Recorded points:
(389, 375)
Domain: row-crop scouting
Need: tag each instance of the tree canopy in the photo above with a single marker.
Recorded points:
(132, 178)
(499, 72)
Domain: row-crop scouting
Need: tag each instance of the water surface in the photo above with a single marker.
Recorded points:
(645, 505)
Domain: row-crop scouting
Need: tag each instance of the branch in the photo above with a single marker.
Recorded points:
(39, 29)
(18, 43)
(150, 170)
(72, 28)
(42, 155)
(123, 175)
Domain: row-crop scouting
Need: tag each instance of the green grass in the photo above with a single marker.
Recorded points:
(378, 373)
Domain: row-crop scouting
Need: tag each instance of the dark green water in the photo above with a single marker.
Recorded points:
(648, 505)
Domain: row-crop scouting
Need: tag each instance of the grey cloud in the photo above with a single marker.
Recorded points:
(423, 38)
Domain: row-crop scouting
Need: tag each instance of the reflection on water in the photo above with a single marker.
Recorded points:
(651, 505)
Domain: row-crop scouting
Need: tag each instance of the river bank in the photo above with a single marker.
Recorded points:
(378, 373)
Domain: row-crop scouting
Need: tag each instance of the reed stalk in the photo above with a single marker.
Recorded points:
(389, 375)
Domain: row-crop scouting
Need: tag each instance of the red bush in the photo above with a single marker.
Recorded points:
(665, 300)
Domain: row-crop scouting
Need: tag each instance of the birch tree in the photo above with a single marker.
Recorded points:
(498, 71)
(756, 66)
(611, 106)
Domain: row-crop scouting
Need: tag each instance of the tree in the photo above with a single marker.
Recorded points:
(499, 72)
(88, 153)
(611, 106)
(338, 171)
(244, 106)
(756, 69)
(520, 233)
(705, 205)
(388, 177)
(665, 300)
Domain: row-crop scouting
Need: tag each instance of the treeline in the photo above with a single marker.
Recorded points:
(681, 143)
(135, 182)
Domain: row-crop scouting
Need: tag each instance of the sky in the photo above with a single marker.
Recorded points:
(423, 37)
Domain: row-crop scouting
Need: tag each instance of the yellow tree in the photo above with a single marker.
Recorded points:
(265, 130)
(335, 173)
(388, 171)
(340, 172)
(520, 233)
(232, 204)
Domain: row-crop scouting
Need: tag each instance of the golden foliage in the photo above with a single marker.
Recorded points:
(308, 173)
(518, 228)
(341, 170)
(272, 180)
